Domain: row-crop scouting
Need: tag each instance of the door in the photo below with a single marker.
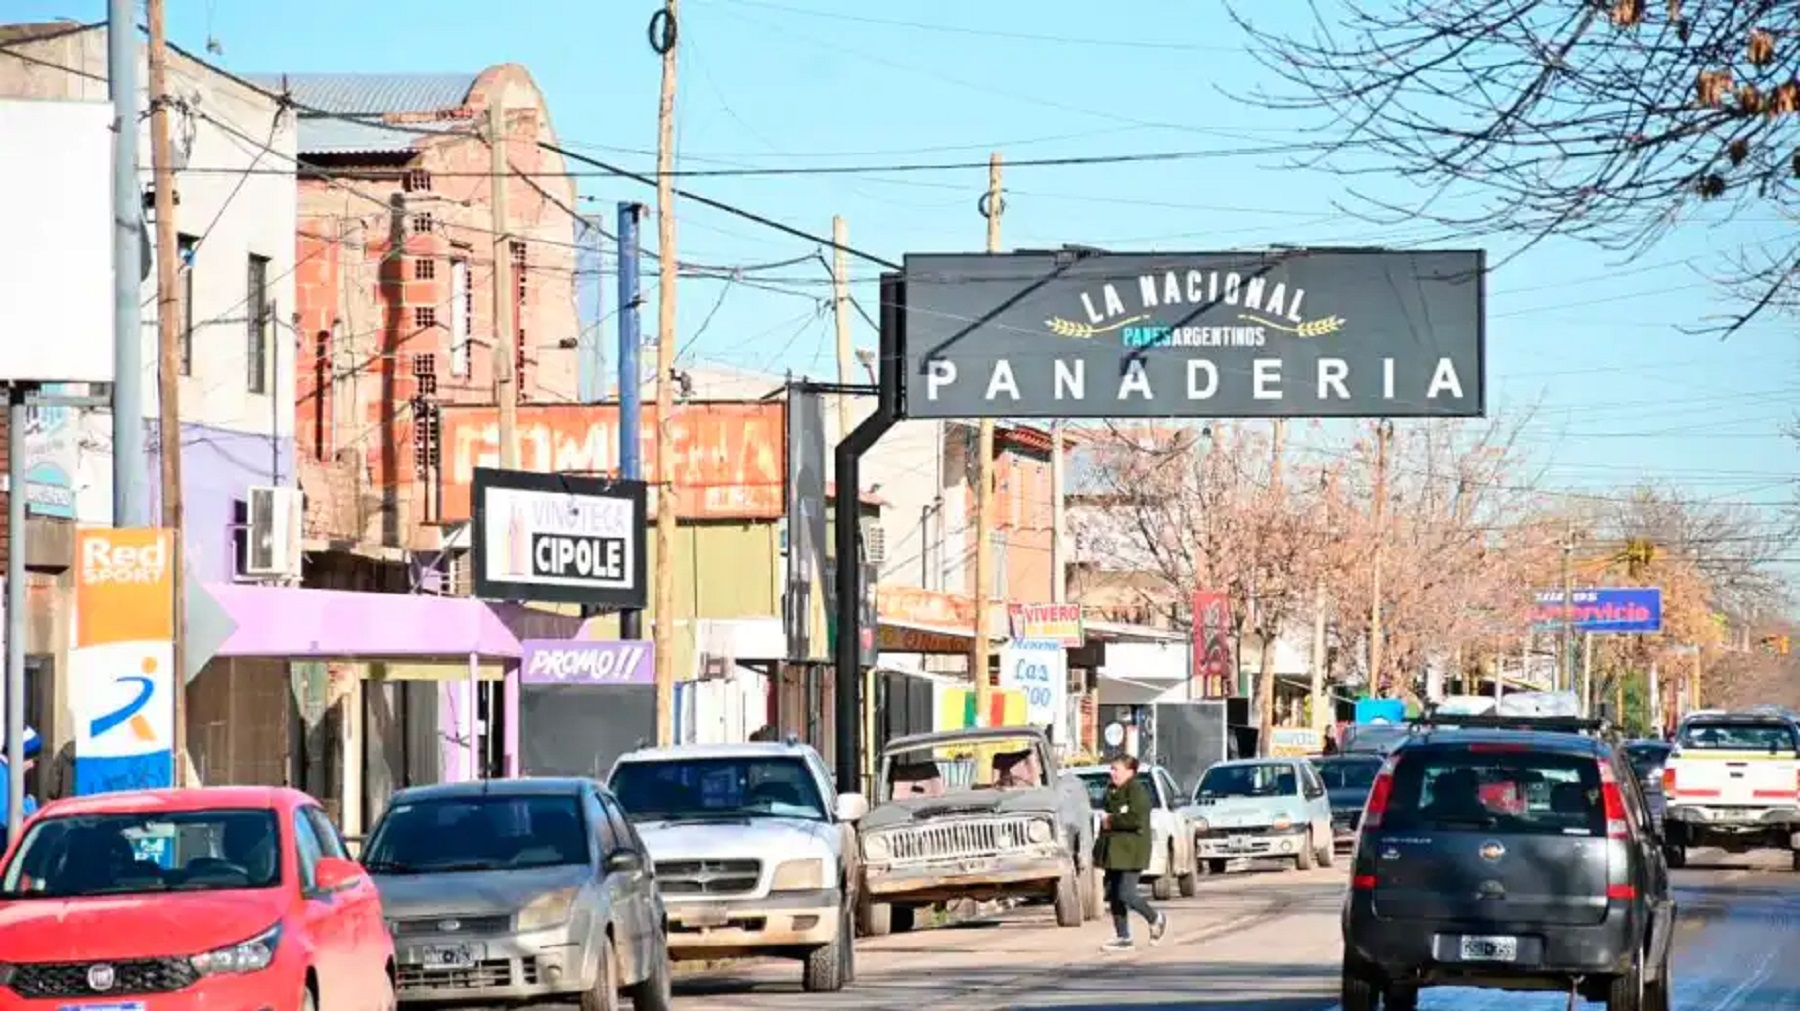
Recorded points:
(360, 908)
(334, 946)
(634, 896)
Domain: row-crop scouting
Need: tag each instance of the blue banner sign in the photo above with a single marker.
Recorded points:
(1627, 610)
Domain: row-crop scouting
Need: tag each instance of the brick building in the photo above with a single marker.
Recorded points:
(395, 258)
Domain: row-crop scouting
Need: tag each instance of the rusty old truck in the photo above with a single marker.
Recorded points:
(979, 814)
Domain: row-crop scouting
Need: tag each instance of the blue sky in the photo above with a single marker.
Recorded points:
(1590, 340)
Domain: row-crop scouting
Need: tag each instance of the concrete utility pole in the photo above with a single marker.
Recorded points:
(631, 376)
(663, 629)
(840, 315)
(1059, 548)
(130, 463)
(991, 208)
(506, 321)
(1587, 673)
(1564, 657)
(1266, 636)
(168, 359)
(1694, 693)
(1384, 433)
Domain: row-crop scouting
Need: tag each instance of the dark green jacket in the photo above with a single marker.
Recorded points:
(1124, 841)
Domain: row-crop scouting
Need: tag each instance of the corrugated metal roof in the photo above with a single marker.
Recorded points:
(368, 95)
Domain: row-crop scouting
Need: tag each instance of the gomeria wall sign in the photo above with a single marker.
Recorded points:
(1333, 333)
(557, 537)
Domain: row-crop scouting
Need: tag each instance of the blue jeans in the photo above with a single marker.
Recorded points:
(1123, 897)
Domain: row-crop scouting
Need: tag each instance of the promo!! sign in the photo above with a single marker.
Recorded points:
(555, 537)
(564, 661)
(1037, 669)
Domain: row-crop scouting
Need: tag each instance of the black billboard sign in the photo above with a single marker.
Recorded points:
(1281, 333)
(557, 537)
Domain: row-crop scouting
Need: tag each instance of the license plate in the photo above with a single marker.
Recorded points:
(706, 916)
(447, 956)
(1490, 949)
(1238, 842)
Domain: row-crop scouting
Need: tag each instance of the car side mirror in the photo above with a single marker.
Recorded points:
(332, 874)
(852, 807)
(624, 862)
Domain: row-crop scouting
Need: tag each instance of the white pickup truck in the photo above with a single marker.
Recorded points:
(1733, 781)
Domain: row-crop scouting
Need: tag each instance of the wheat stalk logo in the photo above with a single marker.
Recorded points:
(1082, 331)
(1324, 326)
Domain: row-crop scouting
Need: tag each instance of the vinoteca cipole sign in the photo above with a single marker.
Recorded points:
(1287, 333)
(556, 537)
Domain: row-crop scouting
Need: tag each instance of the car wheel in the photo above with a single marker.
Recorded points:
(901, 918)
(1357, 993)
(1162, 887)
(1189, 883)
(1304, 859)
(1676, 856)
(604, 996)
(826, 968)
(1068, 900)
(1797, 860)
(874, 919)
(1657, 991)
(1093, 894)
(1625, 992)
(1328, 853)
(656, 992)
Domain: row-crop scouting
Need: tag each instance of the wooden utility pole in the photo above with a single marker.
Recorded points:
(1059, 548)
(1384, 432)
(840, 315)
(506, 320)
(663, 626)
(168, 360)
(984, 495)
(1265, 636)
(1694, 680)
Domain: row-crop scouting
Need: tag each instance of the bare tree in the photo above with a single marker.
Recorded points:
(1603, 120)
(1732, 548)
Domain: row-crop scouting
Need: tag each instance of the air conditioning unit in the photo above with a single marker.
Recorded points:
(272, 549)
(874, 538)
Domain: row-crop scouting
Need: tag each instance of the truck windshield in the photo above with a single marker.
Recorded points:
(1260, 779)
(717, 789)
(1745, 735)
(945, 766)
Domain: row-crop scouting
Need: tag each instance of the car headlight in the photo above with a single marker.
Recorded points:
(1283, 823)
(876, 847)
(1200, 825)
(798, 876)
(253, 955)
(552, 909)
(1039, 831)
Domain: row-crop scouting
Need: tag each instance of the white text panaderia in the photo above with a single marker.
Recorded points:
(1330, 379)
(1197, 288)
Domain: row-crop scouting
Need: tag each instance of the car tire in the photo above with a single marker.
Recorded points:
(1625, 992)
(1068, 900)
(1189, 883)
(827, 968)
(1658, 992)
(1328, 854)
(1675, 857)
(656, 991)
(1358, 993)
(1796, 864)
(604, 996)
(900, 918)
(1162, 887)
(1304, 859)
(874, 919)
(1093, 893)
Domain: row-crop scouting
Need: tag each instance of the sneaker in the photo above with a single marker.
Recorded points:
(1159, 928)
(1118, 944)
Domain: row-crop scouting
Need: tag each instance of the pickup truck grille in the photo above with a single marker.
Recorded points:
(983, 837)
(708, 877)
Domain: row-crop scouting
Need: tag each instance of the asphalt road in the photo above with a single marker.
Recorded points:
(1260, 941)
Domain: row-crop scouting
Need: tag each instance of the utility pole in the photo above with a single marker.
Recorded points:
(1654, 704)
(1320, 718)
(1059, 548)
(506, 324)
(1564, 656)
(840, 314)
(663, 630)
(168, 359)
(631, 376)
(1384, 433)
(1694, 680)
(130, 463)
(1587, 673)
(991, 208)
(1265, 637)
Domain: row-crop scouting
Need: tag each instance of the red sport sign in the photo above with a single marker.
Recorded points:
(1212, 666)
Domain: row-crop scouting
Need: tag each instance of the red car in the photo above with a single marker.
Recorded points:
(211, 899)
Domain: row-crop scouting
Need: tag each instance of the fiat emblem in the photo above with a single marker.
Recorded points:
(1491, 851)
(100, 978)
(449, 926)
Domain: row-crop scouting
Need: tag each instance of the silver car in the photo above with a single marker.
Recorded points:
(519, 890)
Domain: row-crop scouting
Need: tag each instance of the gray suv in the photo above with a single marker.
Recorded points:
(1513, 854)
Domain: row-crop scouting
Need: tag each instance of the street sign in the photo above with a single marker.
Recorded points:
(208, 627)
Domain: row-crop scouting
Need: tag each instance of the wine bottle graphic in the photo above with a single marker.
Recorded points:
(518, 545)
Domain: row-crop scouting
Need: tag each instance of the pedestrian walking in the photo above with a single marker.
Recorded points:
(1123, 850)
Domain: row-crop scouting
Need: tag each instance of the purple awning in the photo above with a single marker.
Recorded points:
(279, 621)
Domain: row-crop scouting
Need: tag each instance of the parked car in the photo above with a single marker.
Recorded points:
(1172, 863)
(755, 852)
(977, 814)
(1507, 858)
(222, 897)
(1347, 780)
(1730, 782)
(1647, 760)
(1372, 738)
(517, 890)
(1261, 808)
